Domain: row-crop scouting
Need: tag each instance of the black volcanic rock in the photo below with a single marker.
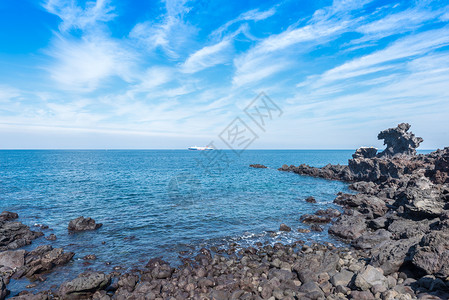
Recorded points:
(258, 166)
(83, 224)
(14, 235)
(365, 152)
(399, 141)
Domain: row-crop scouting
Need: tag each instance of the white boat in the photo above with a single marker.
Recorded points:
(200, 148)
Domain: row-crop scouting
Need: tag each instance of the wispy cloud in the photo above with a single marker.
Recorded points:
(252, 15)
(170, 34)
(208, 56)
(82, 64)
(75, 17)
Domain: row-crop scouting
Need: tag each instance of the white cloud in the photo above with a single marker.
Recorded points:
(170, 34)
(74, 16)
(81, 65)
(208, 56)
(410, 46)
(252, 15)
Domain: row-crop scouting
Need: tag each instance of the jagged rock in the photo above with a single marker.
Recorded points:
(25, 295)
(14, 235)
(12, 259)
(406, 228)
(365, 152)
(440, 173)
(342, 278)
(335, 172)
(311, 288)
(3, 291)
(309, 265)
(392, 255)
(367, 204)
(421, 197)
(370, 240)
(84, 285)
(316, 227)
(329, 212)
(348, 227)
(7, 216)
(51, 237)
(308, 218)
(310, 199)
(83, 224)
(258, 166)
(432, 254)
(43, 259)
(399, 141)
(370, 276)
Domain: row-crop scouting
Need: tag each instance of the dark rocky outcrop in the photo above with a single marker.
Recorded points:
(84, 286)
(258, 166)
(14, 234)
(3, 291)
(83, 224)
(399, 141)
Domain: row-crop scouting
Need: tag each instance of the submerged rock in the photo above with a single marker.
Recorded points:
(284, 227)
(258, 166)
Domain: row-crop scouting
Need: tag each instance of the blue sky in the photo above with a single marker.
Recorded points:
(170, 74)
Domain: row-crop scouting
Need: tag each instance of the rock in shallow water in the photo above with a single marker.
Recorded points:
(14, 235)
(83, 224)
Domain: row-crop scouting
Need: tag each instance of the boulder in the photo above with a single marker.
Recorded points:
(83, 224)
(421, 197)
(399, 141)
(12, 259)
(342, 278)
(370, 240)
(348, 227)
(84, 285)
(14, 235)
(370, 276)
(432, 254)
(390, 256)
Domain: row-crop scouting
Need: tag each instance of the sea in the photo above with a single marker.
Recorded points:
(161, 203)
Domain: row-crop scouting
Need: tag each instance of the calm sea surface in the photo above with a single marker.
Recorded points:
(159, 202)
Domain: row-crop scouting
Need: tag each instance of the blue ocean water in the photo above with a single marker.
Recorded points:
(159, 202)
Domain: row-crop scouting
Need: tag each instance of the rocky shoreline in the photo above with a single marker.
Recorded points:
(397, 226)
